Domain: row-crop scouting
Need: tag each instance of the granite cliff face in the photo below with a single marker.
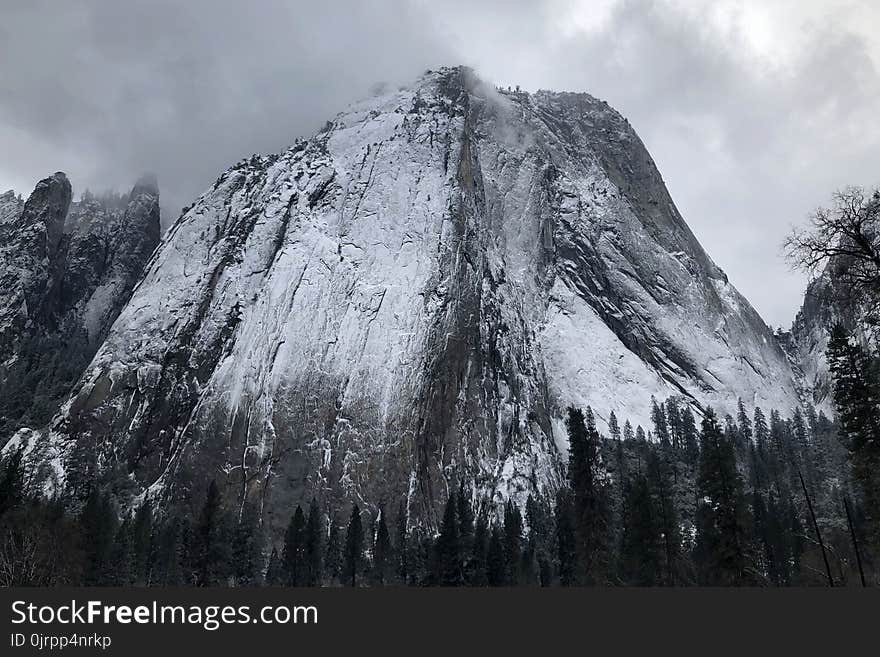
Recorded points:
(826, 303)
(66, 271)
(412, 297)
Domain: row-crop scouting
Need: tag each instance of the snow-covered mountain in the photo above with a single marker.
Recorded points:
(410, 297)
(66, 271)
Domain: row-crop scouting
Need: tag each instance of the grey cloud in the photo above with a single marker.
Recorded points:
(105, 89)
(186, 89)
(746, 147)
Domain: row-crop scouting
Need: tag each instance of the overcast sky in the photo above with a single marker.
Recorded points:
(754, 110)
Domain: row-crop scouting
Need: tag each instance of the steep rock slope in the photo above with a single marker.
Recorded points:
(410, 297)
(67, 270)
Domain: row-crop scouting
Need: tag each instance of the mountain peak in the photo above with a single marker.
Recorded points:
(146, 184)
(411, 298)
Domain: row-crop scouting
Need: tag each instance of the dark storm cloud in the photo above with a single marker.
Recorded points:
(755, 112)
(748, 141)
(107, 89)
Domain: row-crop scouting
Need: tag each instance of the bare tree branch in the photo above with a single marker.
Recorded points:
(845, 238)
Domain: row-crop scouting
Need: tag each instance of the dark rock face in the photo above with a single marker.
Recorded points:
(67, 270)
(408, 299)
(30, 246)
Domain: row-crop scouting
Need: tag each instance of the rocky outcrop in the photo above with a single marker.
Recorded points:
(29, 248)
(11, 206)
(67, 270)
(826, 303)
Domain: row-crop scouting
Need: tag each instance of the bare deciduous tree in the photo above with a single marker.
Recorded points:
(846, 235)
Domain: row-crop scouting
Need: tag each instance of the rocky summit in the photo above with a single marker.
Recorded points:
(66, 271)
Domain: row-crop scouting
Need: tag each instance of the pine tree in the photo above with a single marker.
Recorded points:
(566, 542)
(383, 556)
(761, 432)
(99, 524)
(353, 557)
(640, 550)
(769, 538)
(658, 417)
(333, 554)
(513, 530)
(795, 542)
(721, 550)
(449, 570)
(613, 427)
(731, 432)
(313, 545)
(212, 554)
(777, 552)
(588, 505)
(778, 441)
(188, 551)
(142, 544)
(538, 550)
(660, 481)
(689, 438)
(673, 420)
(496, 566)
(401, 545)
(475, 573)
(465, 519)
(778, 455)
(245, 550)
(743, 421)
(800, 448)
(822, 454)
(170, 553)
(628, 434)
(274, 571)
(857, 402)
(122, 557)
(11, 481)
(422, 560)
(757, 471)
(293, 563)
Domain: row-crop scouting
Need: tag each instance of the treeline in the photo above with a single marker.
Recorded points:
(730, 503)
(855, 372)
(750, 500)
